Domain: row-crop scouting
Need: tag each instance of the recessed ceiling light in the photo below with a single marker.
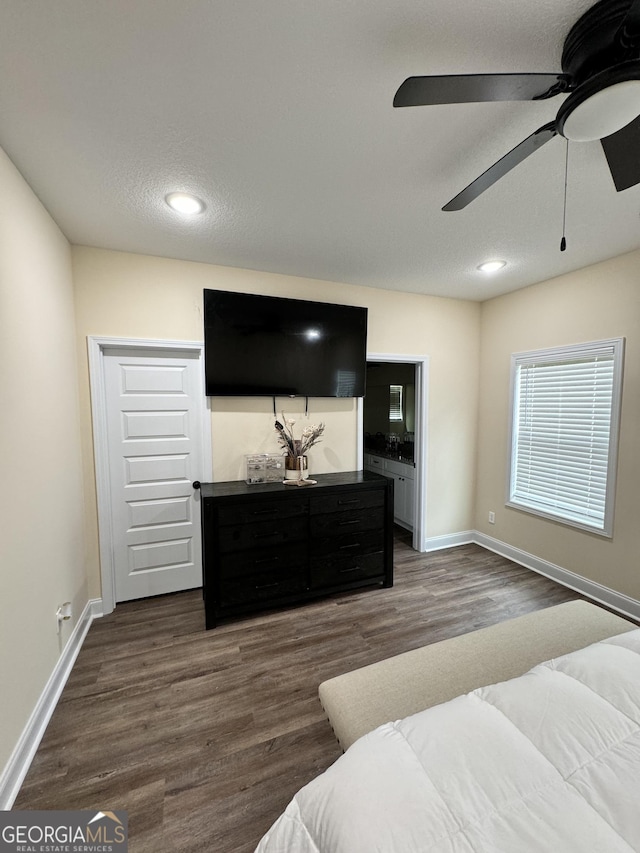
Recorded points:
(185, 203)
(492, 266)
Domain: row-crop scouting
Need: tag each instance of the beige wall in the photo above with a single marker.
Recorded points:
(126, 295)
(41, 536)
(602, 301)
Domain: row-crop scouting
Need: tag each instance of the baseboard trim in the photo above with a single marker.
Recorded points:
(623, 604)
(16, 769)
(451, 540)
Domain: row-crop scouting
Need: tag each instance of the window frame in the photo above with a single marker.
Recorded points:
(569, 353)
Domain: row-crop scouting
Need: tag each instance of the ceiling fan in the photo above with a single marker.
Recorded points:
(601, 76)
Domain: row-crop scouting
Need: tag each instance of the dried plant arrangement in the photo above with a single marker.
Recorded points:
(293, 446)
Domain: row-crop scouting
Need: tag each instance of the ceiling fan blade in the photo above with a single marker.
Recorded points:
(622, 150)
(500, 169)
(474, 88)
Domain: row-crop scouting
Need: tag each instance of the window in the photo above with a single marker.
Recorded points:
(564, 432)
(395, 402)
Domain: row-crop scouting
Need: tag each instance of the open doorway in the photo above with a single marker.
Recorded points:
(393, 435)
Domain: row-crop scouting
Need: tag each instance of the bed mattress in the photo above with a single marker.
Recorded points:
(548, 761)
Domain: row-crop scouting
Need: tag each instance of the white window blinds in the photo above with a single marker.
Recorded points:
(395, 402)
(564, 432)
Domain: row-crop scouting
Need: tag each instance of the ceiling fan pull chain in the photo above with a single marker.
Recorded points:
(563, 242)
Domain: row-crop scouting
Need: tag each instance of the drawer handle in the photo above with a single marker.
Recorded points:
(266, 535)
(346, 523)
(346, 547)
(264, 511)
(266, 560)
(349, 503)
(353, 569)
(266, 585)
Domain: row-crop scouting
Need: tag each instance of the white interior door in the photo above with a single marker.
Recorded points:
(153, 408)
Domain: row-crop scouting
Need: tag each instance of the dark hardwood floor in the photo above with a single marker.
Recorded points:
(204, 736)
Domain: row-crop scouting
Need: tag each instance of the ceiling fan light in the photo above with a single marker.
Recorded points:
(185, 203)
(489, 267)
(604, 113)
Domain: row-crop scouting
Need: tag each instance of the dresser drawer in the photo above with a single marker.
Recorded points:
(252, 511)
(264, 587)
(361, 542)
(242, 563)
(337, 523)
(320, 504)
(262, 534)
(337, 571)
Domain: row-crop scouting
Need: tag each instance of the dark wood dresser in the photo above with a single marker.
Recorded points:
(267, 544)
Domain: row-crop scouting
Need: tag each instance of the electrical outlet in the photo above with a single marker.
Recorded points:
(492, 518)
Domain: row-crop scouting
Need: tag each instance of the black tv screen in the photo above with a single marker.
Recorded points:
(266, 346)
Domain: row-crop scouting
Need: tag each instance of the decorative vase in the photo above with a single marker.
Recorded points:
(296, 468)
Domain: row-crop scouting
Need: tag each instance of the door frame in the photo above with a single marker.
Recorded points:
(98, 349)
(421, 363)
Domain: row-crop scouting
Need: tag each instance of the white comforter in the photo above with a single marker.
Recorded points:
(548, 762)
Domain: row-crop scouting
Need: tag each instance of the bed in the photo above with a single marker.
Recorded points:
(545, 762)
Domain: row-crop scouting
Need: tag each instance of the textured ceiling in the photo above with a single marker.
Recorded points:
(279, 115)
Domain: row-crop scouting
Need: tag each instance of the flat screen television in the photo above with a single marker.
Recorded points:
(270, 346)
